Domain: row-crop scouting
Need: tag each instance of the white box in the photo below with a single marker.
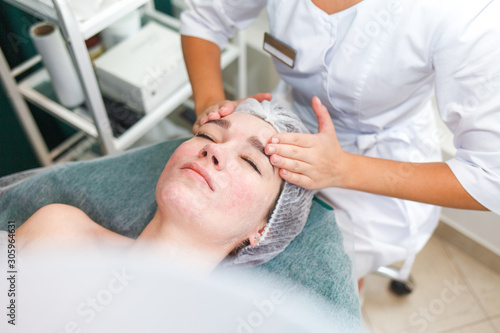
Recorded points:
(144, 69)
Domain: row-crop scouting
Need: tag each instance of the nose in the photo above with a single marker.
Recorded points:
(214, 153)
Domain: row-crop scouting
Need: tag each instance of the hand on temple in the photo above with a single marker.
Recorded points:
(224, 108)
(313, 161)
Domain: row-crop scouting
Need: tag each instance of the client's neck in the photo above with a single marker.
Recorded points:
(178, 247)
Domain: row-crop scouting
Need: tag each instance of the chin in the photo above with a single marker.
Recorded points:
(178, 197)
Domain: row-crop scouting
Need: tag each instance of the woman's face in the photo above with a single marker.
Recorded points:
(221, 183)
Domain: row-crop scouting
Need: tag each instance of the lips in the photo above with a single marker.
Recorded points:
(201, 171)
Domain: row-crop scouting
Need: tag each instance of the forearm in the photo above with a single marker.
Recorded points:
(202, 60)
(432, 183)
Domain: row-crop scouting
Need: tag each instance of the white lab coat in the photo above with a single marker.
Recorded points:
(375, 66)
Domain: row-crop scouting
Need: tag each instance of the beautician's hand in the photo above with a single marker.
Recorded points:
(224, 108)
(313, 161)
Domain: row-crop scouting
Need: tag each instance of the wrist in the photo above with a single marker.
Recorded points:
(348, 171)
(203, 105)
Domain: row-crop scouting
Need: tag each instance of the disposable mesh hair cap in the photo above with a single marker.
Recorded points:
(294, 202)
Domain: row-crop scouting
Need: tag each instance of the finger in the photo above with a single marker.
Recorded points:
(325, 123)
(227, 109)
(213, 116)
(290, 164)
(297, 139)
(196, 127)
(203, 121)
(296, 178)
(288, 151)
(262, 97)
(259, 97)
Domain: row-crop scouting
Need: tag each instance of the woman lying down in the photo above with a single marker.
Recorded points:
(219, 199)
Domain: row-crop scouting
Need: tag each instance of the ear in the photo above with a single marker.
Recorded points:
(255, 237)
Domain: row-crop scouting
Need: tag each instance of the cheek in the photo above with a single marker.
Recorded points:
(247, 197)
(243, 193)
(176, 196)
(170, 189)
(185, 150)
(189, 148)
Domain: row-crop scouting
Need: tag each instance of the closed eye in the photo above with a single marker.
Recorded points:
(251, 163)
(246, 159)
(205, 136)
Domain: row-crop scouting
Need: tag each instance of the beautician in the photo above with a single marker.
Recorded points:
(373, 66)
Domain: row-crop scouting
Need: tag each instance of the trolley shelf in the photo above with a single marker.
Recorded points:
(92, 119)
(37, 88)
(44, 9)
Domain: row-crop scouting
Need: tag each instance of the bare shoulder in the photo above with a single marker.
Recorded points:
(57, 218)
(64, 224)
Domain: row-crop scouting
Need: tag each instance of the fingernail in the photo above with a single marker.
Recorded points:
(271, 150)
(276, 160)
(275, 140)
(284, 172)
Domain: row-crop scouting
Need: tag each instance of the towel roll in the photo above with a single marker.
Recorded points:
(50, 45)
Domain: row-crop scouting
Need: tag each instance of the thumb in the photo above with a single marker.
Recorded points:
(260, 97)
(325, 124)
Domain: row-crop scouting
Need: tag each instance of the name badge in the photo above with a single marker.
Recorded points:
(279, 50)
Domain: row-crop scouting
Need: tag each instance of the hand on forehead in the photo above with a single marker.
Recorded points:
(246, 126)
(250, 130)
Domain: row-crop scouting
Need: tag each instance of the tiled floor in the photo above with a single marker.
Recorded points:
(453, 293)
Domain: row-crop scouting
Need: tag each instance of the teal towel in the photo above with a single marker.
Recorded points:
(118, 192)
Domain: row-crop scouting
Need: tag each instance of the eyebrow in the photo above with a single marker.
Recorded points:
(224, 123)
(255, 142)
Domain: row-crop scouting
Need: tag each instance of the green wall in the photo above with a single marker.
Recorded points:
(16, 153)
